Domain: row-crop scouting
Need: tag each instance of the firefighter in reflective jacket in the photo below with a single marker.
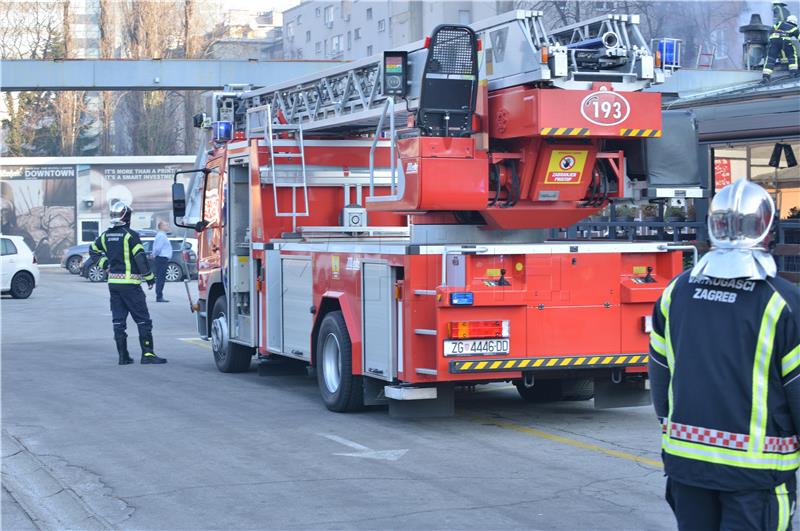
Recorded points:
(781, 45)
(725, 375)
(120, 252)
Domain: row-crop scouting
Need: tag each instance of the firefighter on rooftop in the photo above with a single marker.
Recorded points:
(120, 251)
(781, 46)
(725, 375)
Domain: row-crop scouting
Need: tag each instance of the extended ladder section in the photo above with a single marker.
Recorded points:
(285, 141)
(517, 50)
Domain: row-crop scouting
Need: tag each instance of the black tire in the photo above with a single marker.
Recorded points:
(74, 264)
(173, 272)
(22, 285)
(348, 395)
(96, 273)
(542, 391)
(230, 357)
(578, 389)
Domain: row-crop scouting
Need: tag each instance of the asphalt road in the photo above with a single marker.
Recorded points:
(182, 446)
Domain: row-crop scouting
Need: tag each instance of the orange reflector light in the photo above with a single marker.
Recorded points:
(480, 45)
(478, 329)
(545, 54)
(658, 58)
(427, 42)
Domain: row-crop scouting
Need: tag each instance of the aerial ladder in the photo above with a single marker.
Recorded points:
(386, 220)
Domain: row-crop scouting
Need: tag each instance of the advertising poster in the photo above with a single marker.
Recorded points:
(38, 203)
(147, 188)
(722, 173)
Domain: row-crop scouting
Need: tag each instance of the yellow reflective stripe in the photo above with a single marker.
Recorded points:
(124, 281)
(726, 456)
(95, 248)
(657, 343)
(103, 242)
(136, 248)
(102, 261)
(783, 506)
(149, 277)
(127, 254)
(666, 299)
(790, 361)
(766, 338)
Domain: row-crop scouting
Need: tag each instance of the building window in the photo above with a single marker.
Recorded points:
(369, 50)
(318, 11)
(349, 40)
(381, 24)
(336, 44)
(357, 32)
(318, 48)
(464, 16)
(290, 30)
(369, 13)
(308, 36)
(329, 16)
(299, 19)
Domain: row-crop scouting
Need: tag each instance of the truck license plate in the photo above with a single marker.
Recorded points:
(476, 347)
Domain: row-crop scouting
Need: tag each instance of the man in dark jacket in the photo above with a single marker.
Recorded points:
(725, 376)
(120, 251)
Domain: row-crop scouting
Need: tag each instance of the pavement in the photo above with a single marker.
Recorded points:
(88, 444)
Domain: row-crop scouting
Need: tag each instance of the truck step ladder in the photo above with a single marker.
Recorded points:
(285, 141)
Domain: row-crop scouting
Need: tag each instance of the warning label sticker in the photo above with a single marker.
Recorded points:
(566, 167)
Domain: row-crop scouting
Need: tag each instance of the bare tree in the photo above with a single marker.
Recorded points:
(70, 105)
(108, 99)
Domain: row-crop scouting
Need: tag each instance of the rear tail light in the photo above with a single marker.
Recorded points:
(478, 329)
(545, 54)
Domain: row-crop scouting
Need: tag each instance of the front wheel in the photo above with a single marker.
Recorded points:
(341, 390)
(96, 274)
(173, 272)
(229, 357)
(22, 285)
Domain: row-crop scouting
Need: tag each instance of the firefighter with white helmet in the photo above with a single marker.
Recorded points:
(725, 375)
(120, 251)
(781, 46)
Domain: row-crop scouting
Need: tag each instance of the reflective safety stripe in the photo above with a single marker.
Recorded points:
(657, 343)
(136, 248)
(151, 276)
(666, 299)
(782, 496)
(727, 456)
(127, 254)
(766, 338)
(727, 439)
(103, 242)
(95, 248)
(102, 262)
(124, 281)
(790, 361)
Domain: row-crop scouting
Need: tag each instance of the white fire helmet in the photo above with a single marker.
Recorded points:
(792, 19)
(120, 213)
(739, 222)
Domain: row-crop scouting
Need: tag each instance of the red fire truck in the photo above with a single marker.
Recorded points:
(386, 221)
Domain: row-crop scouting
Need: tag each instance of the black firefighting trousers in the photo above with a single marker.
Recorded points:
(125, 299)
(754, 510)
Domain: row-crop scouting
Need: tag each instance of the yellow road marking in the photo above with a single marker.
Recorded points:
(196, 341)
(563, 440)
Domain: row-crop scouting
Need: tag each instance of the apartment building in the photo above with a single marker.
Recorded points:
(351, 29)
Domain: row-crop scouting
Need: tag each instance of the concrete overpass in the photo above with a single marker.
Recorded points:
(149, 74)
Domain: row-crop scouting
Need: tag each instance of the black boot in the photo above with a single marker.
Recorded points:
(122, 350)
(148, 356)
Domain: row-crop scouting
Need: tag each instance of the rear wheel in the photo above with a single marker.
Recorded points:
(229, 357)
(341, 390)
(22, 285)
(173, 272)
(74, 264)
(572, 389)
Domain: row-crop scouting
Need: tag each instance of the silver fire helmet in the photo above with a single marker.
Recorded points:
(120, 213)
(738, 224)
(741, 216)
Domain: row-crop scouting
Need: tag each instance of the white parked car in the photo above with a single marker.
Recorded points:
(19, 273)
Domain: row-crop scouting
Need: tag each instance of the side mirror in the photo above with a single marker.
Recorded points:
(178, 200)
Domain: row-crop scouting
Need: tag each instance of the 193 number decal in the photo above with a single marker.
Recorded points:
(605, 108)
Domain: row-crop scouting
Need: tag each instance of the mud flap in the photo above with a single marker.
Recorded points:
(627, 393)
(441, 406)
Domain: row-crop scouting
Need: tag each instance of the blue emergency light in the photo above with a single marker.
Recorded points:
(465, 298)
(222, 131)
